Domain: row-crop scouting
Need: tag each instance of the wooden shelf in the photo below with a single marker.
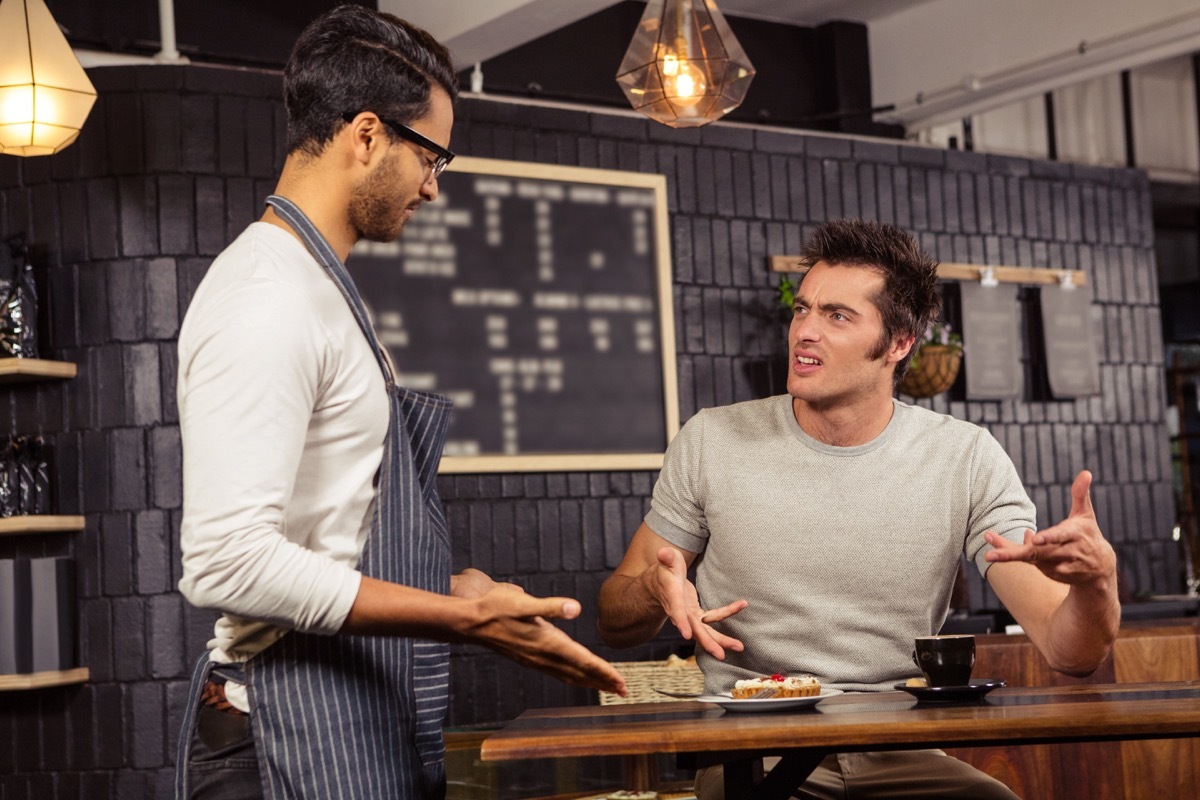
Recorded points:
(41, 680)
(968, 272)
(23, 370)
(39, 523)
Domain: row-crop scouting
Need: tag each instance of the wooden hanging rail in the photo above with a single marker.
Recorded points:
(969, 272)
(40, 523)
(19, 370)
(40, 680)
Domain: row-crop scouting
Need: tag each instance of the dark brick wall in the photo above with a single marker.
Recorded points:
(175, 161)
(170, 167)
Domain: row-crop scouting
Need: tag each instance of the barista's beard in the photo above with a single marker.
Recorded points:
(377, 212)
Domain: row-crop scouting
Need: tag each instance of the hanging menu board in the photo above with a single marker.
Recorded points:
(538, 298)
(992, 335)
(1071, 361)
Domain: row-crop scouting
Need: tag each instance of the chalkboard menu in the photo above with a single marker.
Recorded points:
(538, 298)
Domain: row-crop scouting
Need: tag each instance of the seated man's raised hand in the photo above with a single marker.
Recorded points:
(1073, 552)
(651, 586)
(668, 581)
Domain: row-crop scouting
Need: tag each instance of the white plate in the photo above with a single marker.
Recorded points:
(767, 703)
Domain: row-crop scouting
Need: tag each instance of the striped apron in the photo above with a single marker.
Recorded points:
(356, 716)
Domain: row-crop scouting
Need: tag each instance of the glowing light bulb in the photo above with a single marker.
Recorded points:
(16, 104)
(684, 83)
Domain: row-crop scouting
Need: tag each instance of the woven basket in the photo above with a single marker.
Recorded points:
(934, 371)
(643, 677)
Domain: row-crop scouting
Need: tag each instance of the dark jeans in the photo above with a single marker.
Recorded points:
(223, 764)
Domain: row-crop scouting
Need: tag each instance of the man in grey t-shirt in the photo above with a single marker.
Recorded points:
(826, 525)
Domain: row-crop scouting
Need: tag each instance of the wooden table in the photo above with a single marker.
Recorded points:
(1146, 651)
(704, 734)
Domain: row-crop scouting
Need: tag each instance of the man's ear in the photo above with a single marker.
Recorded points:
(901, 345)
(364, 137)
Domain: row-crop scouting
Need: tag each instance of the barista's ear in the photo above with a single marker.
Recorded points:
(365, 136)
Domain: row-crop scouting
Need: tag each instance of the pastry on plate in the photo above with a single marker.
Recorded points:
(783, 686)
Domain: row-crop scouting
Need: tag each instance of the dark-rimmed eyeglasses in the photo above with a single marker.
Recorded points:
(442, 156)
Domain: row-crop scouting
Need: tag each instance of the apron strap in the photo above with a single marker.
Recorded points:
(377, 731)
(323, 252)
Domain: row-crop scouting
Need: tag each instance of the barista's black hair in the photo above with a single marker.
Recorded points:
(355, 59)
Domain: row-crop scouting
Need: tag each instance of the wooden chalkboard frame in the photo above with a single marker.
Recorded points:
(592, 462)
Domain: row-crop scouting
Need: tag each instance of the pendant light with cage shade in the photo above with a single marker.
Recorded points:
(684, 67)
(45, 95)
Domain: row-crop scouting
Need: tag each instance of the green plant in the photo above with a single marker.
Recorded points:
(787, 293)
(938, 333)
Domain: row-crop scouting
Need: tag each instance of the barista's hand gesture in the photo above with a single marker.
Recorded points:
(517, 625)
(481, 611)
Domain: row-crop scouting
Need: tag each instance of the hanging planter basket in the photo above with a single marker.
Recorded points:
(932, 372)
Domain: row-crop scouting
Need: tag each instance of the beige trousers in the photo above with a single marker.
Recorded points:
(901, 773)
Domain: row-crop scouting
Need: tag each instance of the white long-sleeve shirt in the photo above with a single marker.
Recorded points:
(283, 413)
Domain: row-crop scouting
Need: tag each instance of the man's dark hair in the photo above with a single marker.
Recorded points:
(355, 59)
(909, 300)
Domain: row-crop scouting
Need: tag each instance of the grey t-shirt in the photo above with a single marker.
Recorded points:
(845, 554)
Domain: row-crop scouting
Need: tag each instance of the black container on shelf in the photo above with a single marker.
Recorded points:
(18, 301)
(24, 477)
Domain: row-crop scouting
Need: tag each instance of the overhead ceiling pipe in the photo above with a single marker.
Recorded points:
(169, 54)
(1086, 60)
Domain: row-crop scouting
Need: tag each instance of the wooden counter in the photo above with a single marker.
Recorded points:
(1160, 650)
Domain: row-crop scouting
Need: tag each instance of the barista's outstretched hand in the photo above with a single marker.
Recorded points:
(518, 626)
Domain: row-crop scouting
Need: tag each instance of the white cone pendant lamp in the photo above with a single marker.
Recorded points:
(684, 68)
(45, 95)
